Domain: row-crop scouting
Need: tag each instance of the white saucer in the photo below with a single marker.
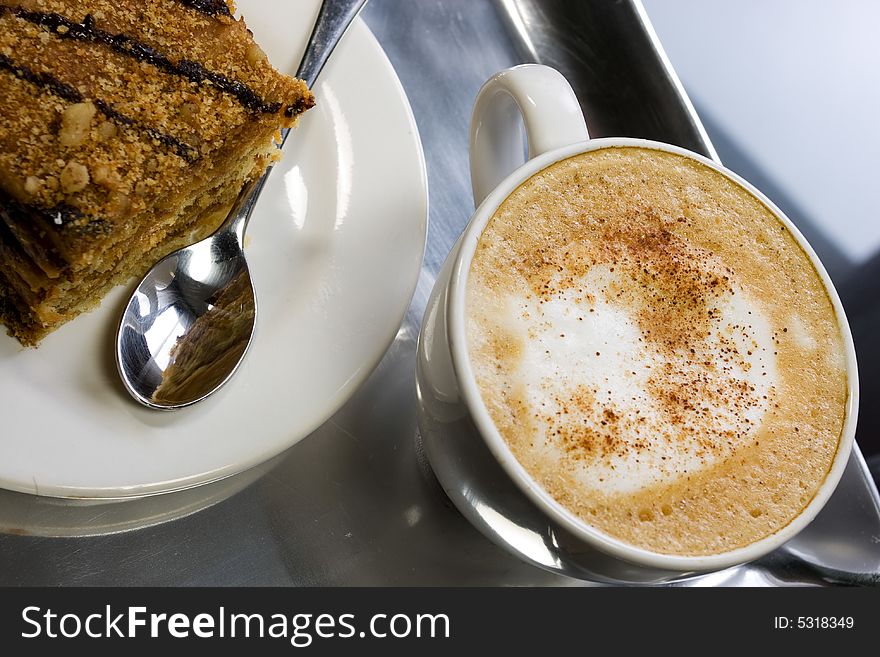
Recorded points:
(56, 517)
(334, 246)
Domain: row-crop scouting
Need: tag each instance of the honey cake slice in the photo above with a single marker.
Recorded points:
(127, 129)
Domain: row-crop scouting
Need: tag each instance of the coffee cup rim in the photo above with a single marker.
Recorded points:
(510, 464)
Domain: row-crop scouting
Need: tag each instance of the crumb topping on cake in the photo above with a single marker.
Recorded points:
(123, 122)
(82, 65)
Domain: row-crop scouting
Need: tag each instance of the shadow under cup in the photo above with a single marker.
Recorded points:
(488, 484)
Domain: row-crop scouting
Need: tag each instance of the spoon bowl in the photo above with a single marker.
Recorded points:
(188, 324)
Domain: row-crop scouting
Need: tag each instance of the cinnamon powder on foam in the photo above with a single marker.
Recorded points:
(657, 350)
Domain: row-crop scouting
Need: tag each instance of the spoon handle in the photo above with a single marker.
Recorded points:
(334, 17)
(240, 213)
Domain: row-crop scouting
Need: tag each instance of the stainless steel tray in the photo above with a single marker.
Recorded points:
(355, 503)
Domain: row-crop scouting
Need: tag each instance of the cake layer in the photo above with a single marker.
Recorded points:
(50, 301)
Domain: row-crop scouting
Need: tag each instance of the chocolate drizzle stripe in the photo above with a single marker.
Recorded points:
(184, 150)
(209, 7)
(125, 45)
(41, 233)
(27, 228)
(65, 91)
(41, 80)
(59, 215)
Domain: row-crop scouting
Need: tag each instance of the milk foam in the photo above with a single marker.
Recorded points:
(657, 350)
(579, 343)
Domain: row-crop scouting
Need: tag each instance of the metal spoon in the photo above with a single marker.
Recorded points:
(189, 323)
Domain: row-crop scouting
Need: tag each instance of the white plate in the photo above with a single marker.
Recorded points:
(334, 247)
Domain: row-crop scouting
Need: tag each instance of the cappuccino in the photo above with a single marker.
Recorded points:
(657, 350)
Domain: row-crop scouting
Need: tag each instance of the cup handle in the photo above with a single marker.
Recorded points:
(531, 94)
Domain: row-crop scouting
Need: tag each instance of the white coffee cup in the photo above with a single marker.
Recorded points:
(466, 451)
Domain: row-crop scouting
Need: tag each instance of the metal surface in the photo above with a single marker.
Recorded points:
(189, 323)
(354, 504)
(616, 65)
